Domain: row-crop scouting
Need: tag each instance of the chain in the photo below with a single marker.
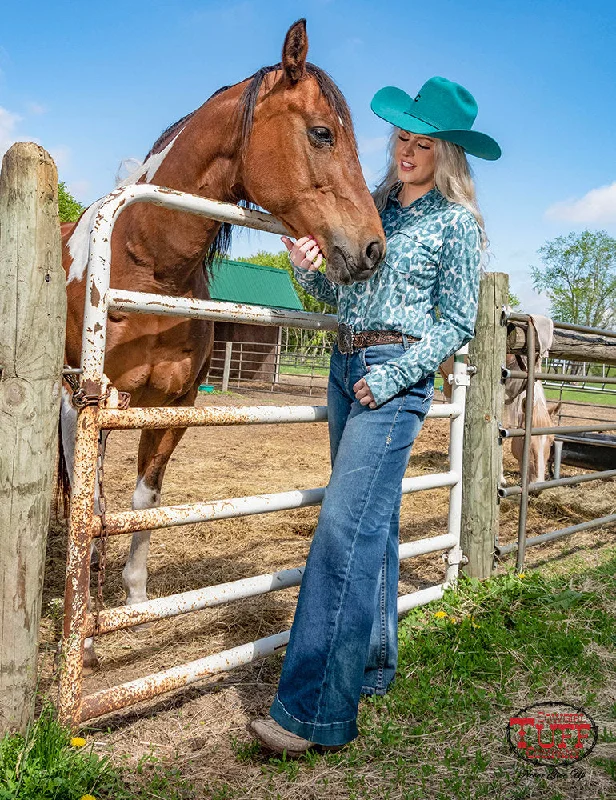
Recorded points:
(72, 380)
(102, 504)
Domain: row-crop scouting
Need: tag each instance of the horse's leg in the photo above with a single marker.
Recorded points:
(155, 449)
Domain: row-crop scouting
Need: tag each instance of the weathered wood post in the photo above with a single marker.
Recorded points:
(484, 408)
(32, 323)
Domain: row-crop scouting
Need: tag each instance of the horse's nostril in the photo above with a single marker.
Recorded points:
(374, 252)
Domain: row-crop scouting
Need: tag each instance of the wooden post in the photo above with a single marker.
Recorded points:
(32, 326)
(484, 408)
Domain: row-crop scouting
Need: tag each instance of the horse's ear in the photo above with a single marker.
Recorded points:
(294, 52)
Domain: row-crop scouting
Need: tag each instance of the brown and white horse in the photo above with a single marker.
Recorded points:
(282, 140)
(543, 417)
(513, 416)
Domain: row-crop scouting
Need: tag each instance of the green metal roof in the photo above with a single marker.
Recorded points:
(240, 282)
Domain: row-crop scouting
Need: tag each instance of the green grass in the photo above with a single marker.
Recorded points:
(466, 664)
(496, 647)
(304, 370)
(45, 765)
(582, 396)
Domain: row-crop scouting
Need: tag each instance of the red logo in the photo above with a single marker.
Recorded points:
(553, 734)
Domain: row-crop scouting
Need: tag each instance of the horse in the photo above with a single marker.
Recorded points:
(282, 140)
(544, 414)
(514, 411)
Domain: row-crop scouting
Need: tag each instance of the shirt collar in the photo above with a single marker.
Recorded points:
(425, 200)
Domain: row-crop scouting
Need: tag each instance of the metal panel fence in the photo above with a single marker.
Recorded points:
(580, 381)
(269, 366)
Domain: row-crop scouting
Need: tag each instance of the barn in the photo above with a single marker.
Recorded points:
(253, 350)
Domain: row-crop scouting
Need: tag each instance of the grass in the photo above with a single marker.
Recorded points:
(304, 370)
(581, 396)
(48, 764)
(494, 647)
(466, 664)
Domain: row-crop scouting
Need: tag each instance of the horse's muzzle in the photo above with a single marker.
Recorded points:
(345, 268)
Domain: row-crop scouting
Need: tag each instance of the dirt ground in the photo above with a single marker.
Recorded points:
(196, 727)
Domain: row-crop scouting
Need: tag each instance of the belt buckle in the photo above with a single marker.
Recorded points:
(345, 338)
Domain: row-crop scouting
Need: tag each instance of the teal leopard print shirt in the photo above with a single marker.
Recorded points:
(433, 255)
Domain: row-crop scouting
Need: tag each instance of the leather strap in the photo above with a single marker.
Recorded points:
(349, 341)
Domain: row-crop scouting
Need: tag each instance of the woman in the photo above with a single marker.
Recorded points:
(343, 641)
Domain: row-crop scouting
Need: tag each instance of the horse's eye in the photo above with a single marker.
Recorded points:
(321, 137)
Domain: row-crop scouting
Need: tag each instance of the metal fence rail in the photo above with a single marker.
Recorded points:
(84, 525)
(558, 380)
(267, 365)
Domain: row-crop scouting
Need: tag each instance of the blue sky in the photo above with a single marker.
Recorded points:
(96, 83)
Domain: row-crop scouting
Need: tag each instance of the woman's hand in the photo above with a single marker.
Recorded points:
(304, 253)
(364, 394)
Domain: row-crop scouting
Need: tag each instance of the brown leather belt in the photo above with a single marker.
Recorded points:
(348, 341)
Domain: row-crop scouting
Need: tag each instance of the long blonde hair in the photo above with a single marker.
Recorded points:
(453, 178)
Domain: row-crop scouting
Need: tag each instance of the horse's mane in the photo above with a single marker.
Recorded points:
(247, 105)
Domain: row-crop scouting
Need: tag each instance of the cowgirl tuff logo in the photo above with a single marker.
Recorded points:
(551, 734)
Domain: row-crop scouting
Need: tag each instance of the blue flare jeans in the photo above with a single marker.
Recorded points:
(344, 637)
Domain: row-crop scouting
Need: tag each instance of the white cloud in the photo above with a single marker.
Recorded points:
(597, 205)
(8, 122)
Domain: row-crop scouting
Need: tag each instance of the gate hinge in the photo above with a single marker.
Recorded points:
(459, 380)
(455, 556)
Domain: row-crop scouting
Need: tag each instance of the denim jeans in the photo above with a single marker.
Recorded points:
(344, 638)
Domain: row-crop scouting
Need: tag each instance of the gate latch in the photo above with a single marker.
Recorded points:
(455, 556)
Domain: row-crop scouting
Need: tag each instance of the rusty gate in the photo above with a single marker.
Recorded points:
(103, 411)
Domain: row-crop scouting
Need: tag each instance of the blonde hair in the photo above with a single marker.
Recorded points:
(453, 178)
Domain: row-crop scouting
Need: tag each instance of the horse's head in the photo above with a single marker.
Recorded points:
(300, 162)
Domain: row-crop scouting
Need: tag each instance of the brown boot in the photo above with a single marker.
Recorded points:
(276, 738)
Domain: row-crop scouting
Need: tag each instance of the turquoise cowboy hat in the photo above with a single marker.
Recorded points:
(441, 109)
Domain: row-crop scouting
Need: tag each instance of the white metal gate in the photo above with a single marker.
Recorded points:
(101, 411)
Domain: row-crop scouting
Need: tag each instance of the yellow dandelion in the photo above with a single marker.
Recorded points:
(522, 575)
(87, 797)
(452, 619)
(77, 741)
(440, 614)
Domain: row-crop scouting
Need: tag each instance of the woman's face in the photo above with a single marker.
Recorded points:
(415, 159)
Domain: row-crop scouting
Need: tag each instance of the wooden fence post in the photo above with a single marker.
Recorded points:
(484, 407)
(32, 325)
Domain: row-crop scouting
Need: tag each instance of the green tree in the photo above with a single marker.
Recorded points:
(579, 277)
(69, 208)
(514, 301)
